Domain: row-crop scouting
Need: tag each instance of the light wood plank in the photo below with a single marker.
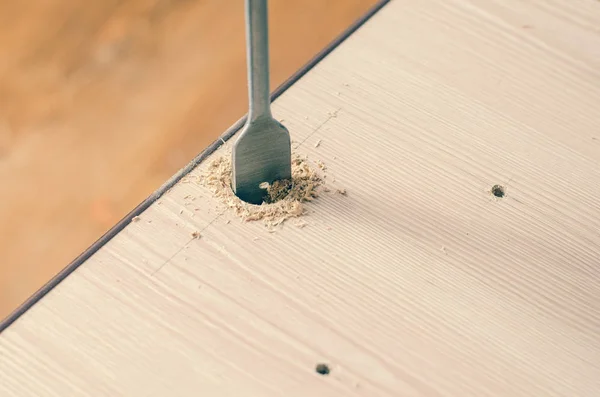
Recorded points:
(418, 282)
(101, 101)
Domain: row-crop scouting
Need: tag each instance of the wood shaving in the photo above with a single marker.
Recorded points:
(135, 219)
(284, 199)
(301, 224)
(188, 179)
(318, 143)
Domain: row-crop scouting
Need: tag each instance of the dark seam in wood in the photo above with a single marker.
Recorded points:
(84, 256)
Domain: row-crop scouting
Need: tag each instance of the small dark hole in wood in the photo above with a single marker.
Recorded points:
(322, 369)
(498, 191)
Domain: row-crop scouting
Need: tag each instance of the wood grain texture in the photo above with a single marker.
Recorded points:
(419, 282)
(101, 102)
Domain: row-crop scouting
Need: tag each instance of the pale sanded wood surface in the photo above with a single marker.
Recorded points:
(418, 282)
(102, 101)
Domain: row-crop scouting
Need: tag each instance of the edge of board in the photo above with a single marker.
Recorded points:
(140, 208)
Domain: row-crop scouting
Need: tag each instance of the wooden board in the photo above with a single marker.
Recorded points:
(417, 282)
(101, 101)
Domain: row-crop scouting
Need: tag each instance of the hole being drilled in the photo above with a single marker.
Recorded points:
(306, 187)
(322, 369)
(498, 191)
(276, 191)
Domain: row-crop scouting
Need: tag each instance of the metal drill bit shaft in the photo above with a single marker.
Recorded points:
(262, 153)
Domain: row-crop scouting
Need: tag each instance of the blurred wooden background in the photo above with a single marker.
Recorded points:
(102, 101)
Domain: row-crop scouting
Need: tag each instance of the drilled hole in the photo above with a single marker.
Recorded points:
(498, 191)
(276, 191)
(322, 369)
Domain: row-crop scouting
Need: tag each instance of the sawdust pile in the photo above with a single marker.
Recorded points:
(284, 199)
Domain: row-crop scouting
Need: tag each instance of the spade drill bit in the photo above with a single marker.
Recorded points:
(262, 153)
